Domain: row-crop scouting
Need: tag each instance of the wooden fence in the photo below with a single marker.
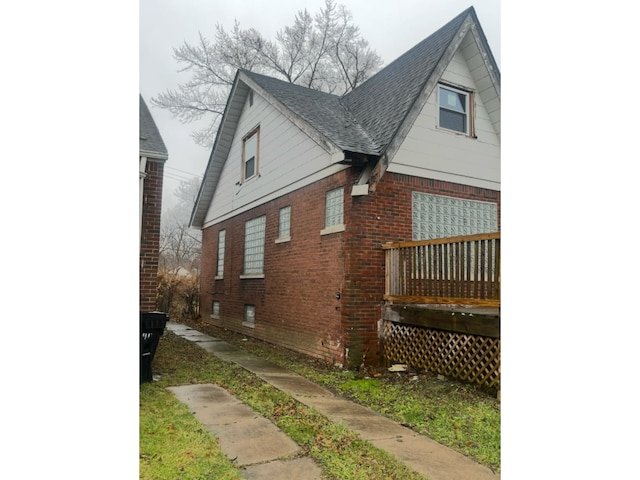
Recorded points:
(456, 270)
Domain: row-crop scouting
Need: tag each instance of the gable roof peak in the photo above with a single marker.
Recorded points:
(151, 143)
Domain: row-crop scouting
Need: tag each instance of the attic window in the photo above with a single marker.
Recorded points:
(455, 106)
(251, 98)
(250, 148)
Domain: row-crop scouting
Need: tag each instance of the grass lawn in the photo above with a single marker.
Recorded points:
(454, 414)
(173, 445)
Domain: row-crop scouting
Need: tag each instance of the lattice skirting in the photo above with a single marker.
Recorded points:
(470, 358)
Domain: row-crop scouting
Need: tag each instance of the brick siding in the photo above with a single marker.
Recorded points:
(150, 239)
(296, 303)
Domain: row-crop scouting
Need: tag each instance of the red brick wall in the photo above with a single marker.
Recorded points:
(150, 239)
(383, 216)
(296, 304)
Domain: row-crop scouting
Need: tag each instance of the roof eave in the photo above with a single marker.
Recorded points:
(218, 155)
(321, 139)
(154, 155)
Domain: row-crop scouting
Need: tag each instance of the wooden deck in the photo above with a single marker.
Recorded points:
(457, 271)
(442, 310)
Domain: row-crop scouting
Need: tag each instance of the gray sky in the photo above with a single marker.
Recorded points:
(391, 27)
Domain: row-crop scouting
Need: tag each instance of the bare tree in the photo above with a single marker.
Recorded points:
(324, 52)
(180, 246)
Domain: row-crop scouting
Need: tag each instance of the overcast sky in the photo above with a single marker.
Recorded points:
(391, 27)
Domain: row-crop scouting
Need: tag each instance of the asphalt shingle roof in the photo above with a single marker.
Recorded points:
(366, 119)
(324, 111)
(150, 139)
(382, 102)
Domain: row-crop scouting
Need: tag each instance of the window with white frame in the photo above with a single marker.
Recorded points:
(250, 154)
(221, 248)
(334, 208)
(454, 109)
(284, 224)
(254, 233)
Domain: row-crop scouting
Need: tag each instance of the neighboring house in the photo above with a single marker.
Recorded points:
(153, 154)
(302, 188)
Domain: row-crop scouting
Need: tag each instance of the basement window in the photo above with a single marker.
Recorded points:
(249, 316)
(215, 309)
(455, 109)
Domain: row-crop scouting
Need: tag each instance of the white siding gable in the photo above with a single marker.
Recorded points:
(287, 160)
(431, 152)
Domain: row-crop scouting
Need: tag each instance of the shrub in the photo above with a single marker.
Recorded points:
(178, 294)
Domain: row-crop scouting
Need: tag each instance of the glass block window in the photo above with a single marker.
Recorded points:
(254, 246)
(436, 216)
(284, 222)
(221, 247)
(334, 207)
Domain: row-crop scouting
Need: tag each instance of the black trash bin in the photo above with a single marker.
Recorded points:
(152, 326)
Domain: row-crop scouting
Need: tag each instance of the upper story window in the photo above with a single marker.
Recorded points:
(250, 154)
(455, 109)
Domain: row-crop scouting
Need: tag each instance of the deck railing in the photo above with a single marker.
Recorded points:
(458, 270)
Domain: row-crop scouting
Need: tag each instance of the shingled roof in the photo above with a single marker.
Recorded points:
(382, 102)
(151, 144)
(366, 119)
(324, 111)
(372, 119)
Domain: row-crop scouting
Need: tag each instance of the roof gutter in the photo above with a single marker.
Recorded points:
(152, 155)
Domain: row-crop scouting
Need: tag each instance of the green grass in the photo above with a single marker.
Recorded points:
(454, 414)
(174, 445)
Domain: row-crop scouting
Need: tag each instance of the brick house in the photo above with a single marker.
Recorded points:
(153, 155)
(302, 188)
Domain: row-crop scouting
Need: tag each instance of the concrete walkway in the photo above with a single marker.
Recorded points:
(265, 452)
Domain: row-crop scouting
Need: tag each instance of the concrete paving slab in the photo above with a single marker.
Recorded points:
(217, 348)
(197, 337)
(178, 327)
(298, 469)
(243, 434)
(365, 422)
(418, 452)
(199, 395)
(296, 385)
(434, 461)
(253, 440)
